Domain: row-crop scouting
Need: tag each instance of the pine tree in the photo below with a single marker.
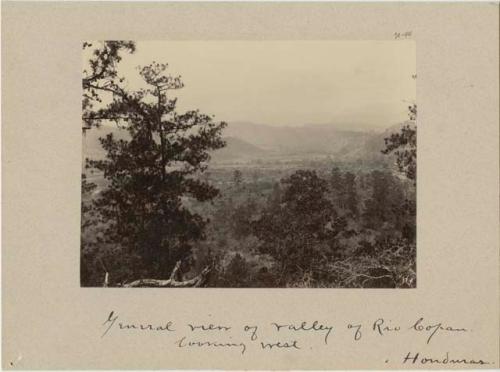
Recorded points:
(101, 76)
(302, 229)
(150, 174)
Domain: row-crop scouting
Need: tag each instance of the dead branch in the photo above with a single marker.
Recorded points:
(175, 281)
(174, 275)
(197, 281)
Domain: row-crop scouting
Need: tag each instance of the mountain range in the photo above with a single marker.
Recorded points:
(249, 141)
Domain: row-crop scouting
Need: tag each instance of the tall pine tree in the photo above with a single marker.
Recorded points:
(154, 170)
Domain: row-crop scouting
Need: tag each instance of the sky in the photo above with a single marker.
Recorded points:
(365, 84)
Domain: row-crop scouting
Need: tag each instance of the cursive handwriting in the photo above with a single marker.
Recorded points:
(280, 345)
(214, 344)
(304, 326)
(382, 328)
(417, 358)
(112, 318)
(285, 336)
(253, 330)
(209, 327)
(357, 332)
(432, 329)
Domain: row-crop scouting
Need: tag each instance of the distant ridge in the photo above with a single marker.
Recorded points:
(237, 149)
(249, 141)
(319, 139)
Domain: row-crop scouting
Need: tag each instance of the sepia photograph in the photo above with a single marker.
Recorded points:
(237, 187)
(249, 164)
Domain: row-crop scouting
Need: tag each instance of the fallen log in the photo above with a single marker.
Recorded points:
(198, 281)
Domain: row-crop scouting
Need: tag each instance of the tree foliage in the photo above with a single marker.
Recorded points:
(100, 76)
(404, 146)
(303, 227)
(151, 173)
(315, 227)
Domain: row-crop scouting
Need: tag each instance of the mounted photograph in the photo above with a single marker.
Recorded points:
(249, 164)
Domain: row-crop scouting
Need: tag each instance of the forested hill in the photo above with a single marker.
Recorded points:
(249, 141)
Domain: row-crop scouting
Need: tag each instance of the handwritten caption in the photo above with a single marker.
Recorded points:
(277, 336)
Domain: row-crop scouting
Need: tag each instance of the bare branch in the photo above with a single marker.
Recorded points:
(173, 275)
(197, 281)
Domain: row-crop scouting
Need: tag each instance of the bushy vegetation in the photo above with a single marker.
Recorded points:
(310, 230)
(307, 230)
(160, 210)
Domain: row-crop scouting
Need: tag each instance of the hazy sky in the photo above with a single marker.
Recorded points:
(367, 83)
